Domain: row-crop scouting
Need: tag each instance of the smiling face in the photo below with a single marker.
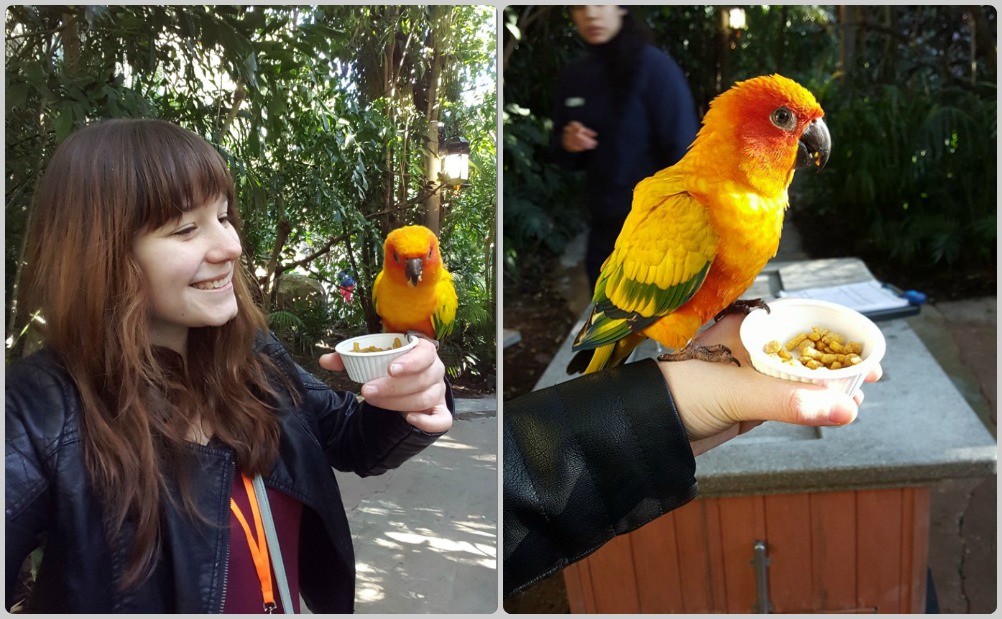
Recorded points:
(188, 267)
(597, 23)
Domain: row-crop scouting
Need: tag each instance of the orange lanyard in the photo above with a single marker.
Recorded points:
(259, 548)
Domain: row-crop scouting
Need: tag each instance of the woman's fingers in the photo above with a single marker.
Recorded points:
(439, 419)
(416, 382)
(332, 361)
(405, 398)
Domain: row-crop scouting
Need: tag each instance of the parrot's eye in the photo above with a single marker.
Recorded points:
(783, 118)
(396, 258)
(429, 253)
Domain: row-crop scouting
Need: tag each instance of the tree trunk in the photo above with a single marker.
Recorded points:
(238, 96)
(847, 39)
(282, 230)
(862, 26)
(71, 44)
(433, 203)
(985, 40)
(490, 261)
(404, 176)
(781, 41)
(723, 51)
(888, 62)
(390, 92)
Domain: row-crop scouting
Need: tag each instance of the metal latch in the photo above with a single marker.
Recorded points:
(761, 563)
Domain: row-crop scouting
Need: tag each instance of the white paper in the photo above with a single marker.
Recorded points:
(868, 296)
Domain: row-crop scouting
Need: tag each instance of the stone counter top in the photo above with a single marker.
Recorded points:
(914, 427)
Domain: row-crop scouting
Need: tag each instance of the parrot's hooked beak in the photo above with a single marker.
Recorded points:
(412, 268)
(815, 146)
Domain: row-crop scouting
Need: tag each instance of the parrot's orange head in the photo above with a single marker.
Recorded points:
(411, 255)
(776, 124)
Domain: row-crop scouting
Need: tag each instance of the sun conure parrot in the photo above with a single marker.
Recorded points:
(700, 231)
(414, 291)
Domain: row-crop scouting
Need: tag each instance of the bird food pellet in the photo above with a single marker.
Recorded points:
(821, 348)
(356, 348)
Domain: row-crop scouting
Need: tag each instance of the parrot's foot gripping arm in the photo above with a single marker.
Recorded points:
(422, 336)
(745, 306)
(717, 353)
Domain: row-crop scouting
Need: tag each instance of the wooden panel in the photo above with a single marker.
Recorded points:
(699, 583)
(613, 581)
(878, 549)
(905, 531)
(915, 549)
(715, 553)
(742, 523)
(578, 595)
(656, 563)
(586, 583)
(830, 552)
(833, 539)
(920, 542)
(788, 532)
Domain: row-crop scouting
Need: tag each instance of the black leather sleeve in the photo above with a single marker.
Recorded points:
(36, 410)
(362, 438)
(586, 460)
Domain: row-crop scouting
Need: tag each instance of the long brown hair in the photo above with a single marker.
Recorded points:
(104, 185)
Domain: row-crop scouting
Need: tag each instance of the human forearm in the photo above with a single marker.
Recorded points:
(586, 460)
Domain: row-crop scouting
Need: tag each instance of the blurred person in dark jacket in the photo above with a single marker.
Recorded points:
(622, 112)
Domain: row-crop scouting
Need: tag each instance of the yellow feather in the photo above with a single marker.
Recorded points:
(599, 358)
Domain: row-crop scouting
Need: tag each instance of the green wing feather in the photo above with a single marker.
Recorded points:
(661, 259)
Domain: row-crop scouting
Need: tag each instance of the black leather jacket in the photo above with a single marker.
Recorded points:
(49, 498)
(586, 460)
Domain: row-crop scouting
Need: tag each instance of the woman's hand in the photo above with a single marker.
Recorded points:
(718, 401)
(415, 387)
(576, 137)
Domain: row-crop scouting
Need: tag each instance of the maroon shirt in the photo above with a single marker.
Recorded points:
(243, 588)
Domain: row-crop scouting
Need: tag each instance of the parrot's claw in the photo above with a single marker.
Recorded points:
(745, 306)
(717, 353)
(422, 336)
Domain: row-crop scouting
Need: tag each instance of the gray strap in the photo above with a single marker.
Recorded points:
(271, 535)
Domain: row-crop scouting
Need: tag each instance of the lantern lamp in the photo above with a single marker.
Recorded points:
(456, 166)
(736, 18)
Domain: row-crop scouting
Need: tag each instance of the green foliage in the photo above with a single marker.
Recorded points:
(303, 325)
(322, 113)
(915, 180)
(286, 325)
(542, 208)
(473, 339)
(911, 184)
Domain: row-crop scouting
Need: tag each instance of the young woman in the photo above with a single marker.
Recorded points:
(132, 436)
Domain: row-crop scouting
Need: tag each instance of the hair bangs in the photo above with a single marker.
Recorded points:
(177, 171)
